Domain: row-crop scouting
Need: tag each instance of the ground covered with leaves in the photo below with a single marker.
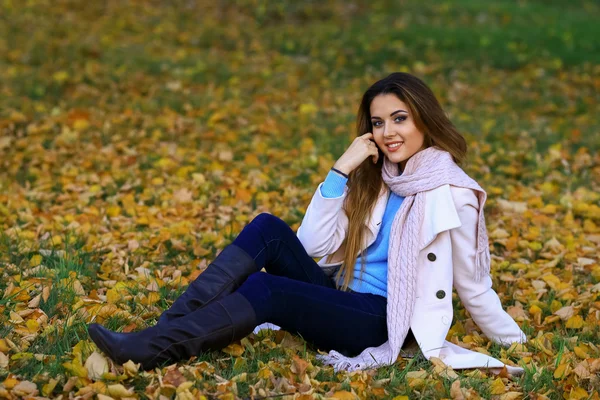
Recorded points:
(138, 138)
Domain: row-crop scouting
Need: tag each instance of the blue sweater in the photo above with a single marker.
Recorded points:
(374, 277)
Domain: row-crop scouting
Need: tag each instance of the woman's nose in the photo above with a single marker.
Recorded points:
(388, 131)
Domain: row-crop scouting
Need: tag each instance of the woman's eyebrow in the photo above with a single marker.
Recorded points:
(391, 115)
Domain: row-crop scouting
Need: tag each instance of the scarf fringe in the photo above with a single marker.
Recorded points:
(350, 364)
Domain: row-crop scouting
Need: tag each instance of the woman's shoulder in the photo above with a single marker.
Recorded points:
(463, 196)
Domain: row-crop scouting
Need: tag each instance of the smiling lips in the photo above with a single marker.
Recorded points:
(394, 146)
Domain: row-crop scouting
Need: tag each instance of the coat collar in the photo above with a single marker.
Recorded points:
(440, 213)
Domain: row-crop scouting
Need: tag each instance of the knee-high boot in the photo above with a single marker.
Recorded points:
(211, 327)
(222, 276)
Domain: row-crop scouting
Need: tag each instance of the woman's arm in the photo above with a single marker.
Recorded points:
(325, 223)
(479, 298)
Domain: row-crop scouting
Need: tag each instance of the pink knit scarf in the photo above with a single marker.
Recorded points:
(426, 170)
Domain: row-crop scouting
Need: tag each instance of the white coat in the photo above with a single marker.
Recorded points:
(446, 259)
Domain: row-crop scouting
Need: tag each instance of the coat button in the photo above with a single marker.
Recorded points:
(440, 294)
(431, 257)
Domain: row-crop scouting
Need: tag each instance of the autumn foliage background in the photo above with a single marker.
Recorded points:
(137, 138)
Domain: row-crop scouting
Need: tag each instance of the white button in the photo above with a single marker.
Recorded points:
(445, 320)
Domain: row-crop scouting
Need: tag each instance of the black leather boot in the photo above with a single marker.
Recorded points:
(211, 327)
(222, 276)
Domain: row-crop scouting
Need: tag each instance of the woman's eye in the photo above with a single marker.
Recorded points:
(398, 119)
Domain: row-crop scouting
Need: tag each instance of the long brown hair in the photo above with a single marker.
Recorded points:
(365, 182)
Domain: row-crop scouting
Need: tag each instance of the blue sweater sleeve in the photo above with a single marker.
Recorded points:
(334, 185)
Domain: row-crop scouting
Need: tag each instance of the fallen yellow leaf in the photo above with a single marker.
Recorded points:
(234, 349)
(10, 382)
(578, 393)
(35, 260)
(562, 371)
(96, 365)
(15, 318)
(511, 396)
(575, 322)
(119, 391)
(497, 387)
(344, 395)
(48, 388)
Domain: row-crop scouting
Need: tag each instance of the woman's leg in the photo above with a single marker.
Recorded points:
(329, 318)
(274, 246)
(265, 242)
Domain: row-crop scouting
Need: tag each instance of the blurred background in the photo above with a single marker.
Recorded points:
(115, 105)
(107, 107)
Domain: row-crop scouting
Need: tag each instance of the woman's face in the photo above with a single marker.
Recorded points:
(393, 123)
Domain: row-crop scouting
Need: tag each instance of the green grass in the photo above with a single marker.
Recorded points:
(57, 345)
(505, 34)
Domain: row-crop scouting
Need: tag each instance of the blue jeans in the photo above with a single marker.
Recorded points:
(297, 295)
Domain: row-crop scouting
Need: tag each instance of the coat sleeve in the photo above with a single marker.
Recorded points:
(479, 298)
(325, 224)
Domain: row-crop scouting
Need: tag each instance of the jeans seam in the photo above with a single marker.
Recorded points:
(264, 247)
(309, 278)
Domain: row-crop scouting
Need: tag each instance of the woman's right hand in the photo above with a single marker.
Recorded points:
(362, 147)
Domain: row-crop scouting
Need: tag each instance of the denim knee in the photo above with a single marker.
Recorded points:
(268, 219)
(258, 290)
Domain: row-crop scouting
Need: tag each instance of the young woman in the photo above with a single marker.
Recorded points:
(398, 199)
